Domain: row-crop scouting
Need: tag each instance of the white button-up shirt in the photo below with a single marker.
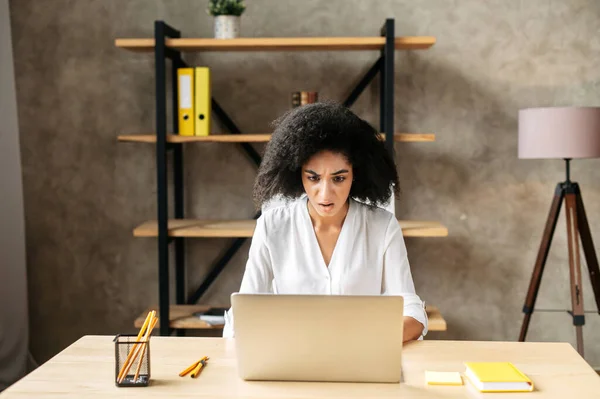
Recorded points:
(369, 258)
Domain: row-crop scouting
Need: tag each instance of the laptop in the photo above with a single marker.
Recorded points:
(318, 337)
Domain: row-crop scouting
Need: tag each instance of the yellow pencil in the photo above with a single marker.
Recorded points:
(149, 318)
(135, 350)
(187, 370)
(196, 371)
(192, 367)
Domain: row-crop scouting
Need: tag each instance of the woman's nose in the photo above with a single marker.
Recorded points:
(327, 189)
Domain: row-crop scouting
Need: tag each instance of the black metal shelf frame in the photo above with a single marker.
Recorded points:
(384, 66)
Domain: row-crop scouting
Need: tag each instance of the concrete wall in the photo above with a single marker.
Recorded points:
(84, 192)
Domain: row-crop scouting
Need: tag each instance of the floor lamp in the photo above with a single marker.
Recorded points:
(563, 133)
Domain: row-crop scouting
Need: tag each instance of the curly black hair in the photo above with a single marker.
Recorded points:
(307, 130)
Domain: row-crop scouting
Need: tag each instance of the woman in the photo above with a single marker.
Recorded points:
(329, 236)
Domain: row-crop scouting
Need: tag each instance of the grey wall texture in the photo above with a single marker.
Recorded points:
(84, 192)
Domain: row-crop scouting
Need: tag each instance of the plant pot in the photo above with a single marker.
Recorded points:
(227, 26)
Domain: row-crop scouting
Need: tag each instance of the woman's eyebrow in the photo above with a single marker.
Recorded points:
(339, 172)
(312, 172)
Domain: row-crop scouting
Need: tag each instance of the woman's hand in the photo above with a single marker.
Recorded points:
(412, 329)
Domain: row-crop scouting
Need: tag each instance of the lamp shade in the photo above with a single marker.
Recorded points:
(559, 132)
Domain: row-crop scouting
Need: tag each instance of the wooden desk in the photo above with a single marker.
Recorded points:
(86, 369)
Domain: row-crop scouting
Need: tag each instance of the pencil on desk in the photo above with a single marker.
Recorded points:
(192, 367)
(199, 367)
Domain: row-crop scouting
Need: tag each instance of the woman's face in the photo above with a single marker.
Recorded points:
(327, 179)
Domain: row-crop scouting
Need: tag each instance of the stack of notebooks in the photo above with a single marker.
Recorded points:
(485, 376)
(213, 316)
(194, 101)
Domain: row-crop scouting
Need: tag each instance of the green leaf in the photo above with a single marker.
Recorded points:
(226, 7)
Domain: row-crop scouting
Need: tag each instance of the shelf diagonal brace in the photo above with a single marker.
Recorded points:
(364, 82)
(218, 267)
(170, 32)
(171, 54)
(233, 129)
(220, 264)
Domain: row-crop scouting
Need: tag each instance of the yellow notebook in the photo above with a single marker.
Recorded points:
(497, 377)
(185, 91)
(443, 378)
(202, 101)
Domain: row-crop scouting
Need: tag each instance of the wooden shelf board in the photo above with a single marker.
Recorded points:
(278, 43)
(250, 138)
(199, 228)
(182, 316)
(435, 320)
(245, 228)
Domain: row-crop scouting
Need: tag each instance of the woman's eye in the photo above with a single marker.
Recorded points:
(313, 178)
(339, 179)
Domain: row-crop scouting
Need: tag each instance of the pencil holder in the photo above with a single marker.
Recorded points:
(132, 361)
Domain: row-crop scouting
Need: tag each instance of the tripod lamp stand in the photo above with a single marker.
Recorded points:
(563, 133)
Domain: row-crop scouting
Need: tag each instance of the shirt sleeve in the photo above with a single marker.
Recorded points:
(397, 278)
(258, 275)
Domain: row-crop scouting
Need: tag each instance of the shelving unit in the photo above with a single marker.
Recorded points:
(167, 44)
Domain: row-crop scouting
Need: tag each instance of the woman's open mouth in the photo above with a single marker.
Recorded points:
(326, 206)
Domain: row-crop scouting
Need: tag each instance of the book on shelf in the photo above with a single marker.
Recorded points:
(300, 98)
(185, 100)
(194, 101)
(202, 101)
(213, 316)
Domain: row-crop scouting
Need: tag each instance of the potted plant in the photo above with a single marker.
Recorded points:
(227, 17)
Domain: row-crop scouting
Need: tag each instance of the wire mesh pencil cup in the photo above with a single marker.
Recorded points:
(132, 361)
